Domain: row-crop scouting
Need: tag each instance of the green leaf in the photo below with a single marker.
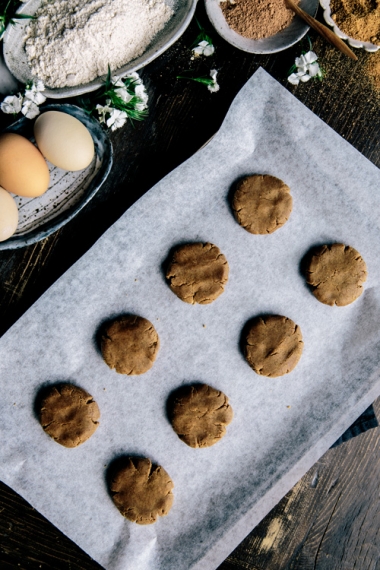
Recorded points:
(9, 16)
(202, 36)
(23, 17)
(204, 80)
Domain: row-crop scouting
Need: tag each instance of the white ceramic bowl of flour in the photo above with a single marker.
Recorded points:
(17, 60)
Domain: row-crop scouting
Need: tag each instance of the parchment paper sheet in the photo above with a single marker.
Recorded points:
(222, 491)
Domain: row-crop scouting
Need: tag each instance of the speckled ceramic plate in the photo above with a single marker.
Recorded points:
(16, 60)
(353, 43)
(68, 192)
(280, 41)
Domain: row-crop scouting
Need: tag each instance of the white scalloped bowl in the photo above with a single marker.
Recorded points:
(367, 46)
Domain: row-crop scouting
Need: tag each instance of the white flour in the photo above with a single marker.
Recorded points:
(73, 41)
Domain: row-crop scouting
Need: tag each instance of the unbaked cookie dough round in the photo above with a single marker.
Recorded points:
(141, 491)
(336, 272)
(198, 273)
(273, 345)
(262, 203)
(69, 414)
(130, 344)
(199, 415)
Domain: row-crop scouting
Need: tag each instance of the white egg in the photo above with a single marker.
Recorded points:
(8, 215)
(64, 140)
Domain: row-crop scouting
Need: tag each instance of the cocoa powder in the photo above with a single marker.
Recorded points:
(359, 19)
(257, 19)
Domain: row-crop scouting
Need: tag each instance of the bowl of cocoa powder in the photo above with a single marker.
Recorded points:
(357, 21)
(260, 26)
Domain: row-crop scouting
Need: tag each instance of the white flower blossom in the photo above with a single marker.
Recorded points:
(102, 111)
(27, 103)
(140, 106)
(141, 93)
(213, 87)
(29, 109)
(135, 76)
(315, 70)
(122, 92)
(35, 96)
(139, 90)
(306, 68)
(203, 48)
(12, 104)
(117, 119)
(117, 81)
(116, 110)
(295, 78)
(38, 85)
(34, 92)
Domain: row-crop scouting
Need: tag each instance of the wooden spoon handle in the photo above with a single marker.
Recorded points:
(324, 31)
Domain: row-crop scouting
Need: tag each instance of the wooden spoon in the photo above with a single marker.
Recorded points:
(324, 31)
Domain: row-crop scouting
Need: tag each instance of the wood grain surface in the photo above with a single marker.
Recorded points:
(330, 520)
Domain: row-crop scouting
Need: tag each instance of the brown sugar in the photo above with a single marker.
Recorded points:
(359, 19)
(257, 19)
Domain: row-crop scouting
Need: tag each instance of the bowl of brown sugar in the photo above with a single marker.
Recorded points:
(262, 26)
(357, 21)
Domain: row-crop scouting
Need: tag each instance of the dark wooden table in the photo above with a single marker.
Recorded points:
(331, 519)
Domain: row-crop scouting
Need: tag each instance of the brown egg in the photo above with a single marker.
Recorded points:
(8, 215)
(23, 169)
